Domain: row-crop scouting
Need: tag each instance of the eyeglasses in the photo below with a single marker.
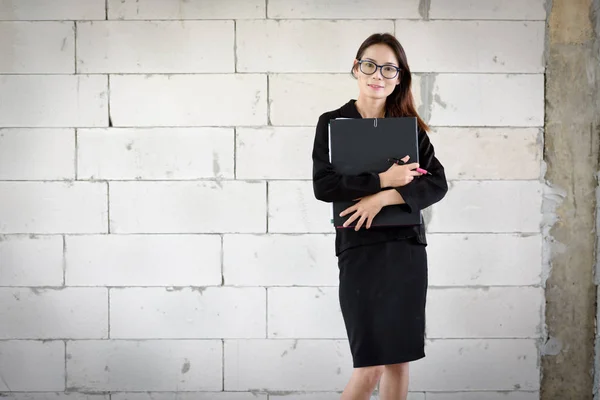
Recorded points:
(387, 71)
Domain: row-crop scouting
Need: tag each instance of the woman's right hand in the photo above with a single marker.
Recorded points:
(399, 175)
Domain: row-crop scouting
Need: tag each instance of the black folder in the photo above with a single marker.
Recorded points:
(365, 145)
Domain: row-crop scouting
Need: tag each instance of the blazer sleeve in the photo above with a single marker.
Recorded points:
(426, 189)
(328, 184)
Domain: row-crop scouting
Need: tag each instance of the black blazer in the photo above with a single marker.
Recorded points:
(330, 186)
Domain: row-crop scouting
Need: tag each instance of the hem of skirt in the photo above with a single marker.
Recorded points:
(397, 360)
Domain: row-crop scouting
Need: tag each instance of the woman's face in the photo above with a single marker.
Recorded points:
(381, 83)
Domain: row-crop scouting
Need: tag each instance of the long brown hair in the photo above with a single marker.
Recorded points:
(400, 103)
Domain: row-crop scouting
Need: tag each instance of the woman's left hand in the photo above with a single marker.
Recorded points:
(365, 210)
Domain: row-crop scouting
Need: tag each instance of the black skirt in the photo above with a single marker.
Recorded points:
(383, 290)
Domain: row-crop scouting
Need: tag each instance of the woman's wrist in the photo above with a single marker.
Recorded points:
(390, 197)
(383, 181)
(385, 198)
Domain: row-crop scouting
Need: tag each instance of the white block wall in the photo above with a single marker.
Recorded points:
(159, 238)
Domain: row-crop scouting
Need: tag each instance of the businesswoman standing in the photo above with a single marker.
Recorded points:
(382, 270)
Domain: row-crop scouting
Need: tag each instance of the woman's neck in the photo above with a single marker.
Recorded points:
(370, 108)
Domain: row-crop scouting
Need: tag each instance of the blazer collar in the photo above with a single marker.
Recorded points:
(349, 110)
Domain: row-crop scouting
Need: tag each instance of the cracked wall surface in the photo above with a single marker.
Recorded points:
(572, 139)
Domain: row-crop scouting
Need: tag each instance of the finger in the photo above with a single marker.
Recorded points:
(360, 222)
(347, 211)
(369, 222)
(350, 220)
(414, 173)
(405, 159)
(412, 166)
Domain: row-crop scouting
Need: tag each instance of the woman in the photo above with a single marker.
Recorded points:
(382, 271)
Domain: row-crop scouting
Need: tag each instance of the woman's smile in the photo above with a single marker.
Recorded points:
(375, 86)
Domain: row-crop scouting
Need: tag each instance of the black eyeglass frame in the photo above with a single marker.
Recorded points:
(380, 67)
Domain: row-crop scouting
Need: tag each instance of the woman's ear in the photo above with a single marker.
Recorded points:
(354, 66)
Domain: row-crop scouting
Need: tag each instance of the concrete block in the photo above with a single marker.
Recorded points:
(27, 365)
(484, 259)
(191, 9)
(53, 396)
(155, 47)
(50, 101)
(148, 365)
(486, 100)
(31, 261)
(155, 153)
(37, 154)
(306, 396)
(67, 313)
(353, 9)
(288, 152)
(280, 260)
(53, 207)
(143, 260)
(298, 46)
(477, 364)
(290, 365)
(489, 206)
(37, 47)
(190, 396)
(305, 313)
(188, 207)
(413, 396)
(204, 313)
(514, 312)
(488, 9)
(330, 396)
(52, 10)
(489, 153)
(293, 208)
(299, 99)
(473, 46)
(484, 396)
(159, 100)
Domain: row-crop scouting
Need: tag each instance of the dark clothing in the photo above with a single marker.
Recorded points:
(330, 186)
(382, 270)
(382, 293)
